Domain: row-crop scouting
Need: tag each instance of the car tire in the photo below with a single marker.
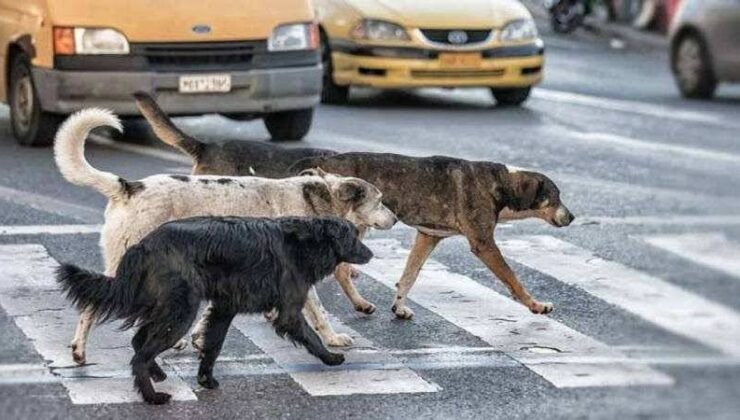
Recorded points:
(692, 67)
(31, 125)
(511, 96)
(289, 125)
(331, 93)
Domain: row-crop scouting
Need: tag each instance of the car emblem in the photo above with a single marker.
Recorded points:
(201, 29)
(457, 37)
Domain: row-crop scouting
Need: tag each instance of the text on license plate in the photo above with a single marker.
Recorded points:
(205, 83)
(459, 59)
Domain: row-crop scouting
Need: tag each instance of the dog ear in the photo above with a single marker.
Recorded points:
(297, 230)
(313, 172)
(351, 190)
(526, 188)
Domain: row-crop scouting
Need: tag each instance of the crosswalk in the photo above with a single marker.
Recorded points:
(562, 356)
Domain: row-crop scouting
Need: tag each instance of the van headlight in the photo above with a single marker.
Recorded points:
(379, 30)
(294, 36)
(519, 30)
(68, 41)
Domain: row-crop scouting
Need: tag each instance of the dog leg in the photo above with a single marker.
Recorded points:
(487, 251)
(343, 274)
(218, 325)
(199, 331)
(423, 247)
(315, 312)
(79, 342)
(155, 371)
(149, 346)
(292, 323)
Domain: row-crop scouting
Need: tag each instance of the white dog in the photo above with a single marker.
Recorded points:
(135, 208)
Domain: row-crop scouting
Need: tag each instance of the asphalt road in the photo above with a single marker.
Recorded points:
(646, 283)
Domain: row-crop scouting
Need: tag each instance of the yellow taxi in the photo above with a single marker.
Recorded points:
(429, 43)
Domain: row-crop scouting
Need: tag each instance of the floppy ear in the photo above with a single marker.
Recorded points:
(313, 172)
(526, 188)
(297, 231)
(351, 191)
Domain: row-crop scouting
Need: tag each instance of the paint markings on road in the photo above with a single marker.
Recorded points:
(554, 351)
(362, 373)
(655, 300)
(14, 230)
(631, 107)
(29, 294)
(51, 205)
(712, 249)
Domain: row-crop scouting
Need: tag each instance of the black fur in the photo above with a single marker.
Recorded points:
(131, 188)
(242, 265)
(183, 178)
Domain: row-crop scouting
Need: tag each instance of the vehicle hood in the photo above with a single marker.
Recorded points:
(173, 20)
(443, 14)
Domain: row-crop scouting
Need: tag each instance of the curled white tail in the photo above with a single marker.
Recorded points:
(69, 151)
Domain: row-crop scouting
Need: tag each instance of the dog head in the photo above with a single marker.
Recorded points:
(356, 200)
(345, 241)
(329, 241)
(535, 195)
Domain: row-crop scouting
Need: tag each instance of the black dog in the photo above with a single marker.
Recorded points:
(242, 265)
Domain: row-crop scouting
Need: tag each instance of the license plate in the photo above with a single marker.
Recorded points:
(458, 60)
(205, 83)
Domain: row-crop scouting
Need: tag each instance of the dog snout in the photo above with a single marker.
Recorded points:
(363, 254)
(563, 216)
(386, 221)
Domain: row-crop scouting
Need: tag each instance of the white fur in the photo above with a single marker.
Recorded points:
(163, 198)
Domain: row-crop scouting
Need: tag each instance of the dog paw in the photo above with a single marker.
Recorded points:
(271, 315)
(333, 359)
(541, 307)
(365, 307)
(339, 340)
(78, 354)
(158, 398)
(208, 382)
(157, 374)
(402, 312)
(180, 345)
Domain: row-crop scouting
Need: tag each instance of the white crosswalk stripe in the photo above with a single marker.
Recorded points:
(385, 375)
(29, 294)
(557, 353)
(712, 249)
(648, 297)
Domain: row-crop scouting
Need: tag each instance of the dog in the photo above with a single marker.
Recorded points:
(241, 265)
(439, 196)
(136, 208)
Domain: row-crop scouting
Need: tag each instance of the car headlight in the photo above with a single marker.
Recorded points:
(293, 37)
(68, 41)
(519, 30)
(379, 30)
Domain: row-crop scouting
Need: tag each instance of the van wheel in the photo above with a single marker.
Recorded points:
(511, 96)
(692, 68)
(289, 125)
(331, 93)
(31, 126)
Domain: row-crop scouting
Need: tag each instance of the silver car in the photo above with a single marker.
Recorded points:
(705, 46)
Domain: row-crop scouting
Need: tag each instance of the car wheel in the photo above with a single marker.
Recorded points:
(511, 96)
(692, 68)
(331, 93)
(30, 124)
(289, 125)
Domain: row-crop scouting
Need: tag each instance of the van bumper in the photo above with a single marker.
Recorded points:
(252, 91)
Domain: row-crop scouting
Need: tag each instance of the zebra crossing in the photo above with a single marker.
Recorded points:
(562, 356)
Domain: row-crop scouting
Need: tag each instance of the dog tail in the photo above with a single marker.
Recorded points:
(107, 297)
(69, 151)
(164, 128)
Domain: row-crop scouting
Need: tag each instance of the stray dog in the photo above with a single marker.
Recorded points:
(439, 196)
(241, 265)
(136, 208)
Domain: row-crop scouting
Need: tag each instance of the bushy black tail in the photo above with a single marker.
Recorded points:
(109, 298)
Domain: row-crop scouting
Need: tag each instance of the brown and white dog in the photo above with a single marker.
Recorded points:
(439, 196)
(136, 208)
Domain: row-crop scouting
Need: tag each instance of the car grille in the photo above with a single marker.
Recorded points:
(199, 55)
(442, 36)
(456, 74)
